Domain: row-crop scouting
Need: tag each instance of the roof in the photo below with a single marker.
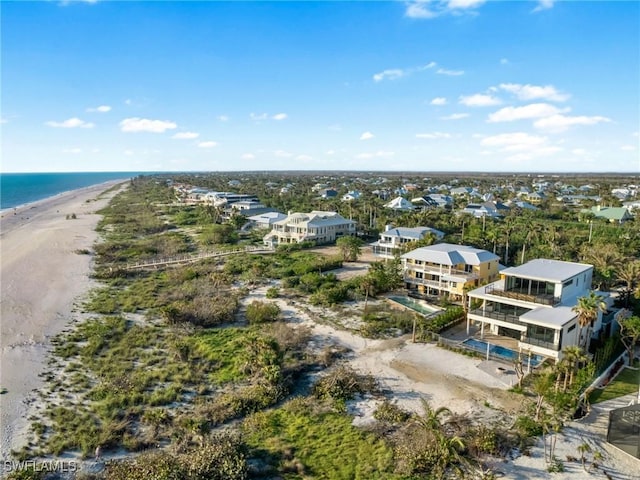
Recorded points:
(556, 271)
(416, 233)
(449, 254)
(610, 213)
(550, 317)
(400, 203)
(268, 216)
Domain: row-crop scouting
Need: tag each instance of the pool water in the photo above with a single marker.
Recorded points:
(415, 305)
(502, 352)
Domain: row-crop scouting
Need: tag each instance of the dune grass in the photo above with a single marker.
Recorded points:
(302, 440)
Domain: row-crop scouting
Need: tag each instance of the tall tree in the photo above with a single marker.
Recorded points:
(349, 248)
(630, 334)
(587, 310)
(628, 272)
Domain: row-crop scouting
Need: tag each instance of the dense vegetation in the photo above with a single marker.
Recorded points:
(179, 358)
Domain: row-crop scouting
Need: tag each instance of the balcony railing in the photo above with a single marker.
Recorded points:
(541, 343)
(429, 283)
(504, 317)
(543, 299)
(434, 270)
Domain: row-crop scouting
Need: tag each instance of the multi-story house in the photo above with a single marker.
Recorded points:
(533, 303)
(393, 239)
(448, 270)
(318, 227)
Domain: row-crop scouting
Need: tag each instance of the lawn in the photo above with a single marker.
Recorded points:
(626, 382)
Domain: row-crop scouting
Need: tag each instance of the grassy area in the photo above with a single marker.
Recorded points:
(302, 440)
(627, 381)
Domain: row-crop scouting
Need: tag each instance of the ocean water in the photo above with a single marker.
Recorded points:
(20, 188)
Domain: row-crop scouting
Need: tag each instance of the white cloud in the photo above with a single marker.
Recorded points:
(304, 158)
(366, 136)
(390, 74)
(100, 109)
(279, 116)
(395, 73)
(479, 100)
(433, 136)
(330, 152)
(462, 4)
(521, 146)
(439, 101)
(186, 135)
(425, 9)
(365, 156)
(455, 116)
(70, 123)
(628, 148)
(543, 5)
(207, 144)
(534, 92)
(533, 110)
(128, 101)
(282, 154)
(136, 124)
(560, 123)
(128, 153)
(335, 128)
(513, 141)
(258, 116)
(452, 73)
(3, 120)
(504, 61)
(72, 150)
(419, 9)
(223, 118)
(248, 156)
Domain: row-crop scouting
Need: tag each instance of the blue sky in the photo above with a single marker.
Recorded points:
(456, 85)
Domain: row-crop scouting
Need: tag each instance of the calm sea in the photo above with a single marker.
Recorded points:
(20, 188)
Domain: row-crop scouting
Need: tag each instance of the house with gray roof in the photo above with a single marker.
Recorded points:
(393, 239)
(448, 270)
(317, 226)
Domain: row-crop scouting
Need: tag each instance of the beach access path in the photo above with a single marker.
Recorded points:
(41, 277)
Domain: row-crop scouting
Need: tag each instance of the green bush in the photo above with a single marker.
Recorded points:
(390, 412)
(262, 312)
(273, 292)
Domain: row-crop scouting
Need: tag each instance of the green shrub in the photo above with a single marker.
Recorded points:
(262, 312)
(273, 292)
(390, 412)
(343, 383)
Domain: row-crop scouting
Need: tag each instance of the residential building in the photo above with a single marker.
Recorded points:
(612, 214)
(318, 227)
(266, 220)
(393, 239)
(351, 195)
(328, 193)
(400, 203)
(445, 269)
(486, 209)
(533, 303)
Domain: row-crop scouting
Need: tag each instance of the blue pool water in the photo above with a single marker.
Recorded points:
(419, 307)
(502, 352)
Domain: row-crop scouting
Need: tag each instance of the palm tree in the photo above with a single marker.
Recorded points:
(587, 310)
(368, 287)
(629, 273)
(573, 357)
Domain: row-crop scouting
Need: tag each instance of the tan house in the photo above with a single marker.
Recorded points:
(318, 227)
(445, 269)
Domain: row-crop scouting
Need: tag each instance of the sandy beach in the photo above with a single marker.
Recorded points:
(41, 278)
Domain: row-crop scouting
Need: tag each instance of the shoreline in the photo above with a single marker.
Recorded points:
(41, 278)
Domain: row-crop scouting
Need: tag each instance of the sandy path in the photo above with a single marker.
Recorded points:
(40, 278)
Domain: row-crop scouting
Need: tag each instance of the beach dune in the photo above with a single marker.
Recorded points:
(42, 274)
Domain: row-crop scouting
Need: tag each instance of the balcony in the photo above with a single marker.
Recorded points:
(542, 299)
(541, 343)
(428, 283)
(503, 317)
(436, 270)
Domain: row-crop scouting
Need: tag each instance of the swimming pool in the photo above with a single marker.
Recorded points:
(502, 352)
(423, 308)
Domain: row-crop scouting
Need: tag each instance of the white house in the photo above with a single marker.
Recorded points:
(392, 239)
(533, 303)
(317, 226)
(352, 195)
(266, 220)
(400, 203)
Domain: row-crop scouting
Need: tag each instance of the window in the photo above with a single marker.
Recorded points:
(571, 328)
(567, 283)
